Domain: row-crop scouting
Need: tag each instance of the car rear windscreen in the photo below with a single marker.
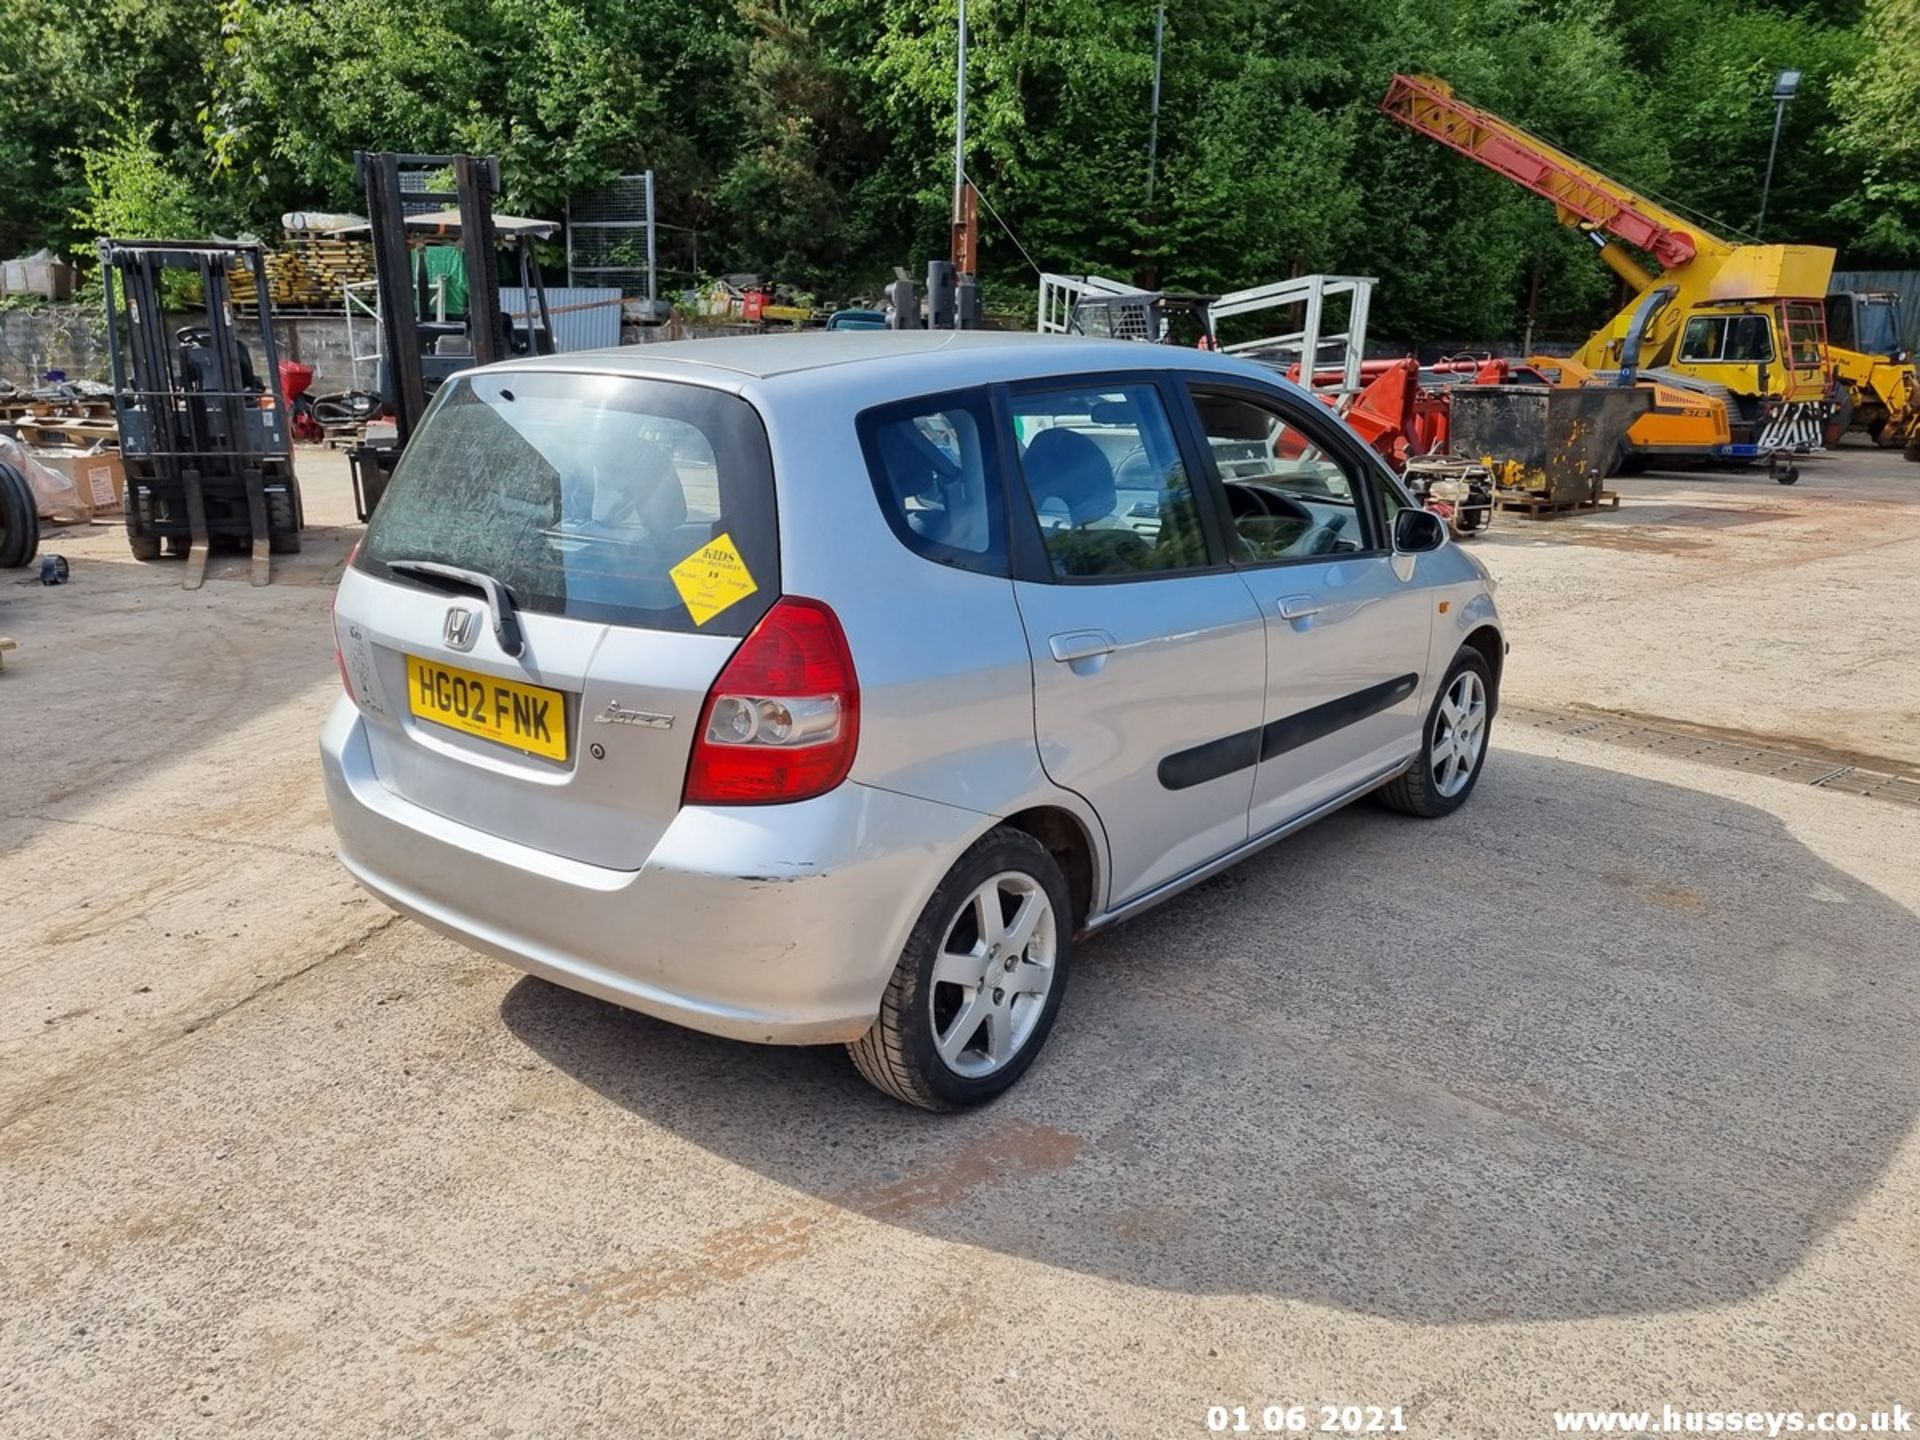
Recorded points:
(601, 497)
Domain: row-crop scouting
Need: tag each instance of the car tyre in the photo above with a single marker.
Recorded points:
(942, 1043)
(19, 520)
(1453, 744)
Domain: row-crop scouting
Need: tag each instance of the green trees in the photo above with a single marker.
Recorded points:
(804, 147)
(73, 79)
(566, 92)
(812, 138)
(1879, 132)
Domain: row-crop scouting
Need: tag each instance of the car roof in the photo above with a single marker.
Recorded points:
(760, 357)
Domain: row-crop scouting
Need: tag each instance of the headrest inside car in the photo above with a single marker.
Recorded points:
(1066, 466)
(914, 464)
(662, 504)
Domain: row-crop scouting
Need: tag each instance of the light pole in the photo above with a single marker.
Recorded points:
(1153, 130)
(1785, 84)
(960, 115)
(966, 231)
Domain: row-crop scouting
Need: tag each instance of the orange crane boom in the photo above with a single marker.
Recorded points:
(1583, 195)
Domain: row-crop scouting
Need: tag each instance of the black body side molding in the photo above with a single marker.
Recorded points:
(1201, 763)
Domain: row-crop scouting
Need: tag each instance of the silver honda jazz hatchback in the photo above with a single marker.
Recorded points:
(832, 688)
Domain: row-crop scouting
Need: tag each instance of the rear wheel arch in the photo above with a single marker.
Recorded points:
(1071, 845)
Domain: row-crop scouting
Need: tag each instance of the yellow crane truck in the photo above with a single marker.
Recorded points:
(1737, 355)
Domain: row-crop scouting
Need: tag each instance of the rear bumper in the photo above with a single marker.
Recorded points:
(779, 924)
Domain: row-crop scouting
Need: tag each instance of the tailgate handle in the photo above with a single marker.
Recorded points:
(1080, 645)
(1298, 607)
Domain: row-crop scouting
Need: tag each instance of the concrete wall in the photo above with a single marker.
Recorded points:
(72, 339)
(58, 337)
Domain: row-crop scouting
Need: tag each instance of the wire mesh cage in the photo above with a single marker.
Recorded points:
(610, 236)
(1118, 317)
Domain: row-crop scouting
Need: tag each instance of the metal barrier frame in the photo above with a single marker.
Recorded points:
(1060, 296)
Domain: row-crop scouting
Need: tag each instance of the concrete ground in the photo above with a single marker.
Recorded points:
(1600, 1094)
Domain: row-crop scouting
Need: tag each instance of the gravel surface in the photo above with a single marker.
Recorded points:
(1599, 1094)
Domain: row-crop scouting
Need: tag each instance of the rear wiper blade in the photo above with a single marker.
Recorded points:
(506, 615)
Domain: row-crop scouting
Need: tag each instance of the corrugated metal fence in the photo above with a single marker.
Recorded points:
(1905, 282)
(584, 317)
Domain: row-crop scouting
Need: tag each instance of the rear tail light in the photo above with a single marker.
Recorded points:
(333, 615)
(782, 721)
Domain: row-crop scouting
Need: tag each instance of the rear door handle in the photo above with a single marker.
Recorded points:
(1298, 607)
(1080, 645)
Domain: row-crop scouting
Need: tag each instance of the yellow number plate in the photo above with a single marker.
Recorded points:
(527, 717)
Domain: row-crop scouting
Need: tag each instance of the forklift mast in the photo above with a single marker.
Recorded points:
(476, 179)
(419, 352)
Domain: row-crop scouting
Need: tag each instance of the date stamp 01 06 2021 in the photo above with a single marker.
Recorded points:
(1307, 1419)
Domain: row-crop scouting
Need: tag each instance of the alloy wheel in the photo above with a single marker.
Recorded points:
(993, 973)
(1459, 734)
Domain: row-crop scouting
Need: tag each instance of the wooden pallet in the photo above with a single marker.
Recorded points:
(6, 645)
(63, 430)
(344, 437)
(1535, 507)
(68, 407)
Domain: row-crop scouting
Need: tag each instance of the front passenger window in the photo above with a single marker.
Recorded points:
(1107, 483)
(1288, 499)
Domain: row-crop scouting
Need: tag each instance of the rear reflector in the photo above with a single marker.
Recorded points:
(782, 721)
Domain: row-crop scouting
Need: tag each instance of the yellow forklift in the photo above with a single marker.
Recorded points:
(1882, 394)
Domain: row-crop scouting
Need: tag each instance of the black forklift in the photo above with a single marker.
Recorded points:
(203, 434)
(410, 208)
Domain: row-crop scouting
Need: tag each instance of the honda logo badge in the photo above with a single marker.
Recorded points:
(462, 627)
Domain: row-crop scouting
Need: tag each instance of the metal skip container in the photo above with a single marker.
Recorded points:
(1555, 442)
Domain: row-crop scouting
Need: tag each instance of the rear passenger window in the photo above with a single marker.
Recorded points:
(933, 472)
(1107, 483)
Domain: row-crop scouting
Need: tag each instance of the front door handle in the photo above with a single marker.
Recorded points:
(1080, 645)
(1298, 607)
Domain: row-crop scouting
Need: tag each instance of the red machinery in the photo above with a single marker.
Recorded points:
(295, 380)
(1402, 411)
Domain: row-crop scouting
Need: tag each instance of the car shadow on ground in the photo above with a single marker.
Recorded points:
(1595, 1045)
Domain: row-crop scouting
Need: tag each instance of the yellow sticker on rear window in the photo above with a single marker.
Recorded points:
(712, 578)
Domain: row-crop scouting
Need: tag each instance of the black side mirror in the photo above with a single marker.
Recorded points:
(1417, 530)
